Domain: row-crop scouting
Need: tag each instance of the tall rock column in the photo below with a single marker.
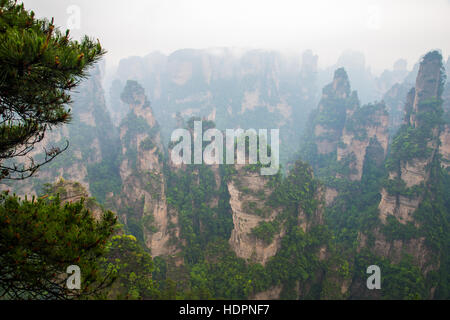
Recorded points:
(142, 204)
(413, 152)
(341, 132)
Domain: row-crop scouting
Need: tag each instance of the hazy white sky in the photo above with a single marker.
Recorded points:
(383, 30)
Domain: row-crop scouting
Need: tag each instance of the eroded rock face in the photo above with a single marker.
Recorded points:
(427, 84)
(143, 182)
(72, 192)
(395, 250)
(416, 171)
(344, 131)
(400, 207)
(413, 172)
(356, 142)
(444, 149)
(334, 101)
(341, 85)
(253, 202)
(330, 195)
(271, 294)
(327, 139)
(248, 212)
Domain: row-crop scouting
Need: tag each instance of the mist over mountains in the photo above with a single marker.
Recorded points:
(371, 189)
(192, 83)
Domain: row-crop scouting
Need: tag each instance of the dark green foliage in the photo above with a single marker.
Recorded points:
(215, 271)
(135, 227)
(132, 92)
(103, 179)
(297, 259)
(190, 192)
(39, 67)
(434, 218)
(362, 118)
(137, 125)
(402, 281)
(356, 207)
(411, 142)
(266, 231)
(41, 238)
(132, 267)
(222, 275)
(298, 190)
(331, 115)
(394, 230)
(147, 144)
(137, 276)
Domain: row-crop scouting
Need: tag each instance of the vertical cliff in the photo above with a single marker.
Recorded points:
(279, 223)
(367, 126)
(329, 119)
(417, 144)
(257, 231)
(341, 132)
(197, 193)
(444, 148)
(142, 202)
(410, 197)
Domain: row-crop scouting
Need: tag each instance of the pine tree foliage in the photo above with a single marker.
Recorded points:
(41, 238)
(39, 66)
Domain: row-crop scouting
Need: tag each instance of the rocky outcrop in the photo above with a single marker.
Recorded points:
(330, 195)
(369, 124)
(142, 204)
(444, 149)
(395, 250)
(270, 294)
(399, 206)
(428, 85)
(72, 192)
(248, 192)
(342, 132)
(260, 212)
(411, 171)
(333, 108)
(415, 171)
